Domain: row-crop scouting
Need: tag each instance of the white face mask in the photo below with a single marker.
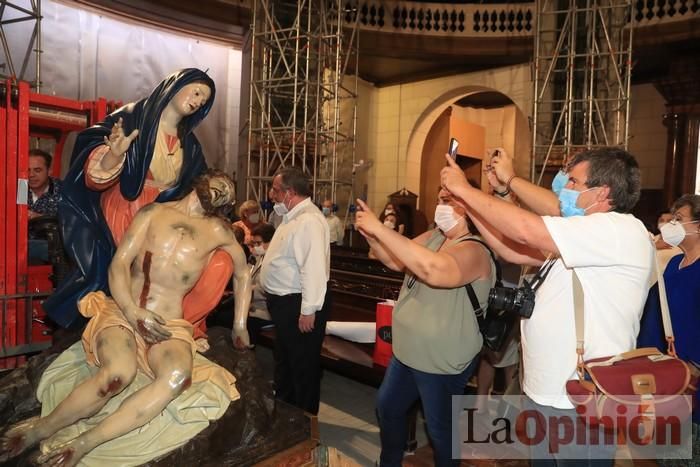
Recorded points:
(258, 250)
(673, 232)
(388, 211)
(445, 217)
(254, 218)
(280, 208)
(390, 224)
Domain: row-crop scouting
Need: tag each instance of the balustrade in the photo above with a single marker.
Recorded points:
(479, 20)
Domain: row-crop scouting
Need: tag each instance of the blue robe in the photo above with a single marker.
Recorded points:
(86, 236)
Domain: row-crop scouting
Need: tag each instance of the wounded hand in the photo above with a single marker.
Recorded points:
(240, 337)
(150, 326)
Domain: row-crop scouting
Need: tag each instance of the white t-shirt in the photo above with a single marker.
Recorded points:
(613, 257)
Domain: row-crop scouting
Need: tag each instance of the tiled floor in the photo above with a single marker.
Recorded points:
(346, 418)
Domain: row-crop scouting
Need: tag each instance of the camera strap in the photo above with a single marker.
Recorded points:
(542, 273)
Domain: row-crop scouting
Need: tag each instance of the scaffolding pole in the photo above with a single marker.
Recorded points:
(303, 96)
(582, 78)
(13, 13)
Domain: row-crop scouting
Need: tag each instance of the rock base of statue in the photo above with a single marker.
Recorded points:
(253, 428)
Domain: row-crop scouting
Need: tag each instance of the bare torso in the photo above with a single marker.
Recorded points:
(177, 248)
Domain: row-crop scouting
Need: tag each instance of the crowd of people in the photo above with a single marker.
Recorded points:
(582, 227)
(436, 340)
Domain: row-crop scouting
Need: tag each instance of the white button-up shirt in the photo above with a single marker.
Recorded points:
(298, 258)
(336, 229)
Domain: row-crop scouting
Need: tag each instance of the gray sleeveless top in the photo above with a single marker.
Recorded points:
(435, 330)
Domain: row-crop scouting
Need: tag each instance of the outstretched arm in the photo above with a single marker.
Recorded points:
(378, 252)
(504, 247)
(242, 289)
(519, 225)
(450, 267)
(150, 325)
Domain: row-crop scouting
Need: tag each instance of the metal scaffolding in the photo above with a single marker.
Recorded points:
(303, 94)
(14, 13)
(582, 69)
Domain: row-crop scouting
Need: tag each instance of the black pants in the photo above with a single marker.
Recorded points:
(297, 354)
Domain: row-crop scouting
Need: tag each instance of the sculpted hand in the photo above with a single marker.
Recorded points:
(452, 177)
(118, 142)
(240, 337)
(149, 325)
(502, 164)
(202, 345)
(306, 322)
(365, 221)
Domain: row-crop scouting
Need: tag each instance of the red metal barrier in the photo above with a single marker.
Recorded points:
(24, 115)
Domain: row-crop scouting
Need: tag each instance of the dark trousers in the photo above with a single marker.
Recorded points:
(297, 354)
(401, 387)
(602, 455)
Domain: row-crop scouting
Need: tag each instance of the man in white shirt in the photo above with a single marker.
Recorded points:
(294, 274)
(335, 226)
(608, 248)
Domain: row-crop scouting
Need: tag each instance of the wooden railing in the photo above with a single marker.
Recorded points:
(478, 20)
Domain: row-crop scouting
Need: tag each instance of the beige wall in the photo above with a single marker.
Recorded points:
(505, 127)
(364, 135)
(648, 134)
(400, 117)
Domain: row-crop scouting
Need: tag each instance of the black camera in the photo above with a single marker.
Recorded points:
(520, 300)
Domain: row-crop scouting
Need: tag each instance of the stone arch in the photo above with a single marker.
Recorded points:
(427, 118)
(401, 127)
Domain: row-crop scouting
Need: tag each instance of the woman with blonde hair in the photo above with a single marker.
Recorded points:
(249, 212)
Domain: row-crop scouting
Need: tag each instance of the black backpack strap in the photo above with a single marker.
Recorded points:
(493, 256)
(478, 311)
(470, 290)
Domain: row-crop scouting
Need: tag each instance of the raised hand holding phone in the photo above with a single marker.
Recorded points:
(452, 176)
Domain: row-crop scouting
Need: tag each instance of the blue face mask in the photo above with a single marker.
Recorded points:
(567, 202)
(559, 182)
(326, 211)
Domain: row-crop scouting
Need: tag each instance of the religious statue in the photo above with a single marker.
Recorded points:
(160, 258)
(144, 152)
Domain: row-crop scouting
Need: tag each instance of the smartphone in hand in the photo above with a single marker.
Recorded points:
(452, 150)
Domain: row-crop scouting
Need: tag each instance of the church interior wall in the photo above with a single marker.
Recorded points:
(648, 134)
(88, 55)
(401, 116)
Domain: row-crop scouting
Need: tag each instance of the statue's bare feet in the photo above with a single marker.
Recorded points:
(64, 455)
(19, 438)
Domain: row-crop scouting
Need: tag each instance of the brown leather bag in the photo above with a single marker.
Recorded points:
(640, 382)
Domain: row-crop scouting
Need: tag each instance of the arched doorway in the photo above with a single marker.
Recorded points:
(480, 120)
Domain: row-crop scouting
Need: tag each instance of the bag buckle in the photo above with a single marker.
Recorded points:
(644, 384)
